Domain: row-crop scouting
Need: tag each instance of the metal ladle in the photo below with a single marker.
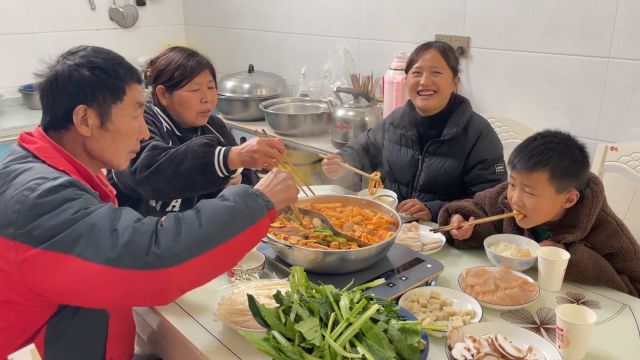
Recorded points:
(325, 221)
(126, 15)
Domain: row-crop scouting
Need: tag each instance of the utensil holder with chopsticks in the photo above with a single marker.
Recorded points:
(367, 84)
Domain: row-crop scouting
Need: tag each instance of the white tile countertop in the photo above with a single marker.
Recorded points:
(15, 117)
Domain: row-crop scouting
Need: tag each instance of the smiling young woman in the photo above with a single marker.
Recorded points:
(434, 149)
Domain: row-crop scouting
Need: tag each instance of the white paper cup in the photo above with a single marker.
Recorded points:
(574, 325)
(552, 264)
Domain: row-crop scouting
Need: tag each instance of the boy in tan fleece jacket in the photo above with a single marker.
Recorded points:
(564, 205)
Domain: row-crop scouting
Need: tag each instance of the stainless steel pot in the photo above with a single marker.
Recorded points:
(240, 94)
(296, 116)
(241, 108)
(339, 261)
(353, 118)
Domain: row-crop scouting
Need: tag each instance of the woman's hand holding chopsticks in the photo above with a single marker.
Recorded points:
(257, 153)
(332, 166)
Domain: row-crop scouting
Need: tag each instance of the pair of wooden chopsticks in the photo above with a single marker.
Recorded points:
(476, 222)
(286, 165)
(355, 170)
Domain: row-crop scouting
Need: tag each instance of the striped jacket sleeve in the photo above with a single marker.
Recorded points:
(75, 250)
(164, 170)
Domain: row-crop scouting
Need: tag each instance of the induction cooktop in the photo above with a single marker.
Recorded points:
(403, 269)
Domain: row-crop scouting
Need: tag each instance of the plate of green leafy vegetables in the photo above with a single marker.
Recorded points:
(314, 322)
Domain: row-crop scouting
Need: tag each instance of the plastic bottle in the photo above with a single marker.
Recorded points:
(304, 84)
(394, 88)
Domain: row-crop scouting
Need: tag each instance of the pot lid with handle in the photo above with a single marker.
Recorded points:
(252, 84)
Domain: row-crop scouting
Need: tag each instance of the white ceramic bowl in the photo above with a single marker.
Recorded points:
(383, 196)
(513, 263)
(249, 268)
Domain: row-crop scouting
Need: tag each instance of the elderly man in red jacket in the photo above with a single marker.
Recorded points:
(73, 264)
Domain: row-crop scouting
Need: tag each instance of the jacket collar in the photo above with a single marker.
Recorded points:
(52, 154)
(578, 219)
(459, 119)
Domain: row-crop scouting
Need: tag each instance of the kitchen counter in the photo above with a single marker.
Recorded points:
(15, 117)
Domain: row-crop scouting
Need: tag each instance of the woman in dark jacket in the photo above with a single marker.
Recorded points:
(435, 148)
(191, 155)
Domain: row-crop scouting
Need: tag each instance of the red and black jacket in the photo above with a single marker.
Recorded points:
(73, 264)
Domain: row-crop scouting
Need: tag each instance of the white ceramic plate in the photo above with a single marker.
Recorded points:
(498, 306)
(424, 233)
(225, 290)
(461, 301)
(517, 335)
(407, 218)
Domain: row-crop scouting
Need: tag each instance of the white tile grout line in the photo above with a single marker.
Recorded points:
(413, 43)
(606, 72)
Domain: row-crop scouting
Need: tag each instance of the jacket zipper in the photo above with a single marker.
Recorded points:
(415, 182)
(414, 189)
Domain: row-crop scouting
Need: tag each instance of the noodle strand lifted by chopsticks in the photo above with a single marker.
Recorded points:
(375, 182)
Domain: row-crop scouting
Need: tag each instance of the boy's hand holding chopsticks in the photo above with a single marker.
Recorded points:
(461, 231)
(459, 225)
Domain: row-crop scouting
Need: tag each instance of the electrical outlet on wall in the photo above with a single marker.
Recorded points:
(445, 38)
(461, 44)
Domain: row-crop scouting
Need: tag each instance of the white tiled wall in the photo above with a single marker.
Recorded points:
(33, 32)
(571, 64)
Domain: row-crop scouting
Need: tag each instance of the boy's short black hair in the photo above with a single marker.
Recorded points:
(559, 153)
(84, 75)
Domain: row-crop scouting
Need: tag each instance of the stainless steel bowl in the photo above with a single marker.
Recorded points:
(241, 108)
(296, 116)
(339, 261)
(30, 96)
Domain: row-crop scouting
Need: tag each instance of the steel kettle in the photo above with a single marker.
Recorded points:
(352, 118)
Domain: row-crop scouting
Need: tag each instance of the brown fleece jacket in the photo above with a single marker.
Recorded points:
(603, 251)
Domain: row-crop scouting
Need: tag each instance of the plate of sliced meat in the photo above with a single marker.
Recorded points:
(499, 287)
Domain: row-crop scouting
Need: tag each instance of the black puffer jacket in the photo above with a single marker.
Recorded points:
(176, 167)
(468, 158)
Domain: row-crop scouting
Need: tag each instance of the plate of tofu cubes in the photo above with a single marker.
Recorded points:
(440, 305)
